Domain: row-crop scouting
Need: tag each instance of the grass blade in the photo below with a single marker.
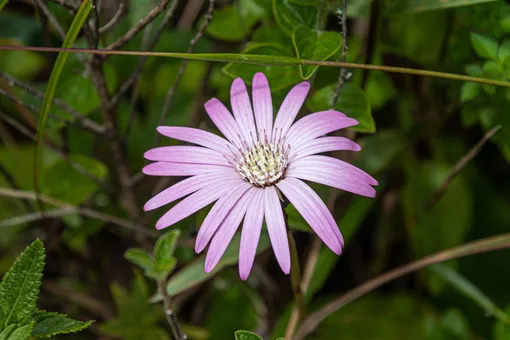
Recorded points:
(3, 3)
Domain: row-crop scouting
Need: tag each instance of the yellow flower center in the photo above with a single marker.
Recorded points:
(264, 164)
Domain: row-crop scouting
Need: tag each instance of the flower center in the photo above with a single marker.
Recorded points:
(264, 164)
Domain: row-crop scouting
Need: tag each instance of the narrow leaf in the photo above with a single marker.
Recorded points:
(50, 324)
(245, 335)
(464, 286)
(165, 246)
(20, 286)
(22, 333)
(74, 29)
(3, 3)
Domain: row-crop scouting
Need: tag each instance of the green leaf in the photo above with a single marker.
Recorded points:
(22, 333)
(504, 52)
(143, 260)
(394, 7)
(470, 91)
(245, 335)
(7, 331)
(314, 45)
(19, 289)
(464, 286)
(194, 274)
(379, 150)
(486, 48)
(278, 76)
(165, 245)
(227, 24)
(290, 15)
(72, 33)
(502, 329)
(3, 3)
(48, 324)
(352, 101)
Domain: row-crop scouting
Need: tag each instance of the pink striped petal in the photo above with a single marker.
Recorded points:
(182, 169)
(317, 124)
(224, 121)
(262, 105)
(241, 106)
(186, 187)
(228, 228)
(186, 154)
(314, 211)
(251, 234)
(322, 144)
(218, 213)
(276, 228)
(196, 136)
(195, 202)
(290, 108)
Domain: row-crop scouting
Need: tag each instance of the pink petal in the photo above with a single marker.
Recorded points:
(314, 211)
(196, 136)
(322, 144)
(276, 228)
(222, 118)
(218, 213)
(251, 234)
(241, 106)
(183, 169)
(290, 108)
(185, 187)
(186, 154)
(228, 228)
(262, 105)
(196, 201)
(317, 124)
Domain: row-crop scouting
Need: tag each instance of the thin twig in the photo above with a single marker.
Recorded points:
(36, 216)
(460, 165)
(114, 20)
(169, 313)
(471, 248)
(87, 212)
(51, 18)
(140, 25)
(171, 92)
(343, 72)
(12, 182)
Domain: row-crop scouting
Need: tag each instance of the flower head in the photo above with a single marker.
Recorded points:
(243, 172)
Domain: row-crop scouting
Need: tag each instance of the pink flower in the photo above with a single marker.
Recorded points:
(244, 172)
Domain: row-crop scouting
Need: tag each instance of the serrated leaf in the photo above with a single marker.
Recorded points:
(245, 335)
(314, 45)
(352, 101)
(6, 332)
(290, 15)
(470, 91)
(21, 333)
(143, 260)
(48, 324)
(19, 289)
(165, 245)
(485, 47)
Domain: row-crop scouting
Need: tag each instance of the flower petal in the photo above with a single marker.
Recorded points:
(186, 154)
(314, 211)
(195, 202)
(227, 230)
(251, 234)
(186, 187)
(322, 144)
(243, 114)
(218, 213)
(262, 105)
(223, 119)
(317, 124)
(196, 136)
(182, 169)
(289, 109)
(276, 228)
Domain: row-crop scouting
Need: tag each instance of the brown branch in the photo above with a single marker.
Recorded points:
(471, 248)
(51, 18)
(343, 72)
(177, 333)
(114, 20)
(139, 26)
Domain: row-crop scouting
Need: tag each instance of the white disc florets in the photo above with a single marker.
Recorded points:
(263, 164)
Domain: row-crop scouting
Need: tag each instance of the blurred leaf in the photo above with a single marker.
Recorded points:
(19, 289)
(245, 335)
(306, 2)
(22, 65)
(271, 33)
(194, 274)
(352, 101)
(470, 91)
(314, 45)
(486, 48)
(504, 52)
(450, 326)
(228, 25)
(502, 329)
(290, 15)
(22, 333)
(379, 89)
(3, 3)
(143, 260)
(325, 264)
(409, 6)
(464, 286)
(165, 245)
(17, 28)
(51, 324)
(278, 76)
(379, 150)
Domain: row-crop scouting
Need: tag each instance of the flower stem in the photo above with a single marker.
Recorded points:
(298, 311)
(177, 333)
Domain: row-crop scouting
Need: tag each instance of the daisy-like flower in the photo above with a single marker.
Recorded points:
(244, 172)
